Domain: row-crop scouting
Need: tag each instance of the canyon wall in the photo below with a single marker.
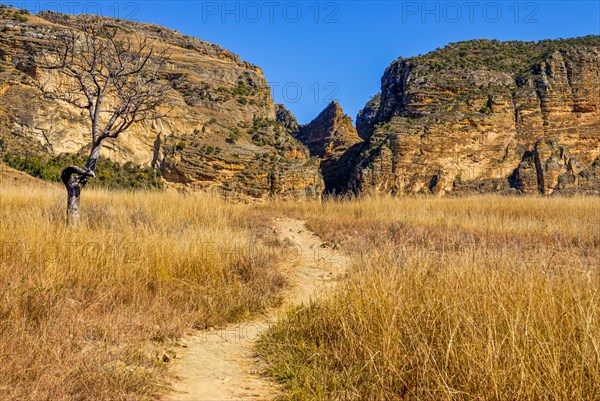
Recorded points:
(485, 116)
(221, 130)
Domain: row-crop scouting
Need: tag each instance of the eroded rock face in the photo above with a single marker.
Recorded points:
(367, 117)
(221, 132)
(332, 138)
(287, 119)
(552, 168)
(486, 116)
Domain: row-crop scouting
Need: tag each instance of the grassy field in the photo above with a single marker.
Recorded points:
(94, 313)
(483, 298)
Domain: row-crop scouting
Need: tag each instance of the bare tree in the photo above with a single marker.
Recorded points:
(113, 78)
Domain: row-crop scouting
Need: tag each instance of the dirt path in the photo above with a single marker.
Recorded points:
(221, 365)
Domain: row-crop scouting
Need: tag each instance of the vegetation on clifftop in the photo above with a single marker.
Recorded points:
(12, 13)
(513, 57)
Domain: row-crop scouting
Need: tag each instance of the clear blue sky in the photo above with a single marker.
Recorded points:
(339, 49)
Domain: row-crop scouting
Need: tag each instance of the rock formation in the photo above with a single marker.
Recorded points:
(486, 116)
(332, 138)
(220, 131)
(287, 119)
(476, 116)
(365, 120)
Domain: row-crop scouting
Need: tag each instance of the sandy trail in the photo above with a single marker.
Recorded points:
(221, 365)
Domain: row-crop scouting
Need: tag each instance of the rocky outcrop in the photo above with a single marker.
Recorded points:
(486, 116)
(332, 138)
(367, 117)
(221, 131)
(551, 167)
(287, 119)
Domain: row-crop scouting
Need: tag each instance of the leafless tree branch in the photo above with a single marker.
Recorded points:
(115, 77)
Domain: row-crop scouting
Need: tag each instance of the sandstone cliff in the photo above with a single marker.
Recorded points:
(221, 132)
(483, 116)
(486, 116)
(332, 138)
(366, 118)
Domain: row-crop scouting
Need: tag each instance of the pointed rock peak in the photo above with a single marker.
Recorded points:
(332, 114)
(331, 126)
(332, 137)
(287, 119)
(333, 108)
(334, 105)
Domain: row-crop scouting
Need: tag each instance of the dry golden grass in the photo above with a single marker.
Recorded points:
(482, 298)
(91, 313)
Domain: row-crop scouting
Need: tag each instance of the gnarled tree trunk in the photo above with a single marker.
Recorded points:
(75, 178)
